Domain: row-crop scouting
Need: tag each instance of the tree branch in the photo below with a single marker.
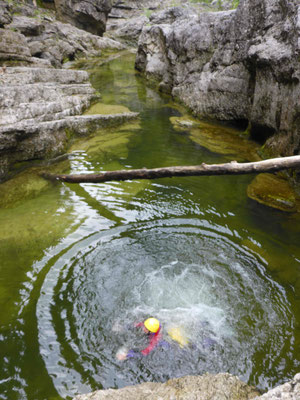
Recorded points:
(232, 168)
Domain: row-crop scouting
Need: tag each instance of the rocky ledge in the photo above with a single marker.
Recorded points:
(238, 65)
(206, 387)
(41, 108)
(41, 103)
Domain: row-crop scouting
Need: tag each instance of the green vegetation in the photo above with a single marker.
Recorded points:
(235, 3)
(219, 3)
(147, 12)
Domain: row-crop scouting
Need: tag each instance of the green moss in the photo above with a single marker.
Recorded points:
(109, 143)
(147, 12)
(101, 108)
(274, 191)
(218, 138)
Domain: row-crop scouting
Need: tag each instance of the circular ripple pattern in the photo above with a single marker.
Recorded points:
(192, 278)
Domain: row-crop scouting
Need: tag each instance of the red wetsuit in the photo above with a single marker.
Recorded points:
(155, 338)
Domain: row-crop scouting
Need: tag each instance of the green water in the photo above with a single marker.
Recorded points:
(77, 260)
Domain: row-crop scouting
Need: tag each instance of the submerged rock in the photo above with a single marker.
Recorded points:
(274, 191)
(220, 139)
(206, 387)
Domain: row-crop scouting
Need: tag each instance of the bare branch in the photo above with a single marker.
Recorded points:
(232, 168)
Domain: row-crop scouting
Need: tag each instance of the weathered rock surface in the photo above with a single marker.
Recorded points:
(233, 65)
(15, 50)
(50, 40)
(129, 31)
(287, 391)
(89, 15)
(40, 108)
(5, 14)
(206, 387)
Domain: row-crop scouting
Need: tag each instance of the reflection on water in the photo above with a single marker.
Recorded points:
(194, 252)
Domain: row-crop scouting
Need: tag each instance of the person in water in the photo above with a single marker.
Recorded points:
(152, 329)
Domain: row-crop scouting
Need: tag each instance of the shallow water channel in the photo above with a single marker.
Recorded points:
(80, 262)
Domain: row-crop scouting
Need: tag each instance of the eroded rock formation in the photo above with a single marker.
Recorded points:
(238, 65)
(40, 106)
(90, 15)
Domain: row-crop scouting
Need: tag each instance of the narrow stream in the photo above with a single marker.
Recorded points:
(81, 263)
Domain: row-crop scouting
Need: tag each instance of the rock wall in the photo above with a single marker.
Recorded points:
(41, 105)
(89, 15)
(239, 65)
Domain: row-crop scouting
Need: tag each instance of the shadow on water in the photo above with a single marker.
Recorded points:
(77, 261)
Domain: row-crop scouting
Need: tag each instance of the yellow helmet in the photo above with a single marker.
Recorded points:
(152, 324)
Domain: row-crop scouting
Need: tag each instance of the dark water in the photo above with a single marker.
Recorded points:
(79, 263)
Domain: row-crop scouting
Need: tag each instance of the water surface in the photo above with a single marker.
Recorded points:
(77, 261)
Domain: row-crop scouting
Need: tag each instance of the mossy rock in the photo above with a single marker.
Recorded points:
(274, 191)
(106, 109)
(184, 123)
(217, 138)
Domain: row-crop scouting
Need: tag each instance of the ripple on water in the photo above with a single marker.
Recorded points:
(190, 276)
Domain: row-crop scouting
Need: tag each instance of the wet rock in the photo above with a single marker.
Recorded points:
(274, 191)
(87, 15)
(40, 108)
(208, 387)
(219, 139)
(233, 65)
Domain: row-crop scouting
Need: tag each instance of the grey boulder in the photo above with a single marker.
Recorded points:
(89, 15)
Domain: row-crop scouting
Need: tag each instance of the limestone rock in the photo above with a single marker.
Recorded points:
(40, 108)
(287, 391)
(87, 15)
(206, 387)
(27, 26)
(233, 65)
(13, 46)
(129, 31)
(171, 14)
(5, 14)
(53, 41)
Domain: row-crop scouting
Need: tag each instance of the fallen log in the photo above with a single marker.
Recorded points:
(232, 168)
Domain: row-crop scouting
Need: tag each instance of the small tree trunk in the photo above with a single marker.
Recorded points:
(232, 168)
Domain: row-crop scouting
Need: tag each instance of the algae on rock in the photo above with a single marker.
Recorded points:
(274, 191)
(218, 138)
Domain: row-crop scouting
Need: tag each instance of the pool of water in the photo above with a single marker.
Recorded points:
(81, 263)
